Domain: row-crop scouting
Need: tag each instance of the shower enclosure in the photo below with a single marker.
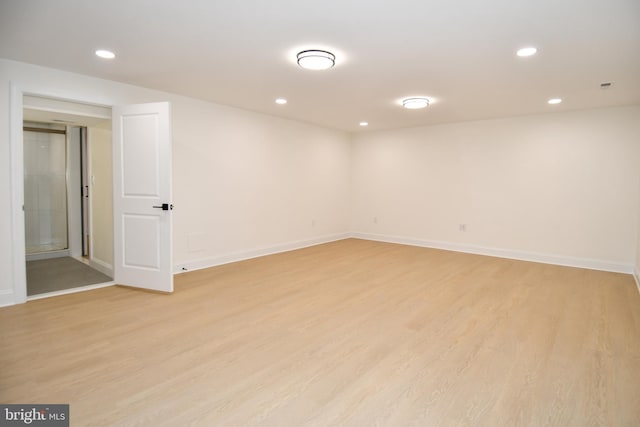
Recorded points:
(45, 188)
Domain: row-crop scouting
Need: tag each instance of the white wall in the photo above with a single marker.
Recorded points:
(637, 269)
(557, 187)
(560, 187)
(243, 183)
(249, 184)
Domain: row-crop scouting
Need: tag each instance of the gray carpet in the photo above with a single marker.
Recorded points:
(56, 274)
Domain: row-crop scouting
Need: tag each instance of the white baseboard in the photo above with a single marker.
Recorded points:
(101, 266)
(48, 255)
(591, 264)
(502, 253)
(6, 298)
(255, 253)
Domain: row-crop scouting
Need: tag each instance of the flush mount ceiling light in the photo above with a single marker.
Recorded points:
(316, 59)
(554, 101)
(281, 101)
(106, 54)
(526, 51)
(415, 103)
(364, 124)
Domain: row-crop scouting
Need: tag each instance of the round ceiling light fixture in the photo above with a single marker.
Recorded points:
(316, 59)
(415, 103)
(554, 101)
(106, 54)
(281, 101)
(526, 51)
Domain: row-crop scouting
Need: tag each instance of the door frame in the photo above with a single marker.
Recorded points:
(17, 178)
(85, 205)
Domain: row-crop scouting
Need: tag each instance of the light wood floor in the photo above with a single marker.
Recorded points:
(349, 333)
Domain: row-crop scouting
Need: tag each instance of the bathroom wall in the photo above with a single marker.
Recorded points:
(101, 191)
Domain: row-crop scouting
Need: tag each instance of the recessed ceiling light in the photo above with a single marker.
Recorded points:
(554, 101)
(316, 59)
(106, 54)
(364, 123)
(415, 103)
(281, 101)
(527, 51)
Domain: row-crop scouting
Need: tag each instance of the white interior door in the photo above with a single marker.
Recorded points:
(142, 196)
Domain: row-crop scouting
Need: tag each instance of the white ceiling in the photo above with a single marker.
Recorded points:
(461, 53)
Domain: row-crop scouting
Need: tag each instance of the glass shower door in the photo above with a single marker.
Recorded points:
(45, 188)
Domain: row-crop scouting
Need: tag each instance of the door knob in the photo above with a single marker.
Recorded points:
(164, 207)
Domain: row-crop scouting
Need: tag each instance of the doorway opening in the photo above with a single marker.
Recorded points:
(140, 244)
(68, 212)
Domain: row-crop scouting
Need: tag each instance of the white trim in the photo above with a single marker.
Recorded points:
(77, 108)
(6, 298)
(502, 253)
(70, 291)
(48, 255)
(101, 266)
(255, 253)
(19, 273)
(89, 212)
